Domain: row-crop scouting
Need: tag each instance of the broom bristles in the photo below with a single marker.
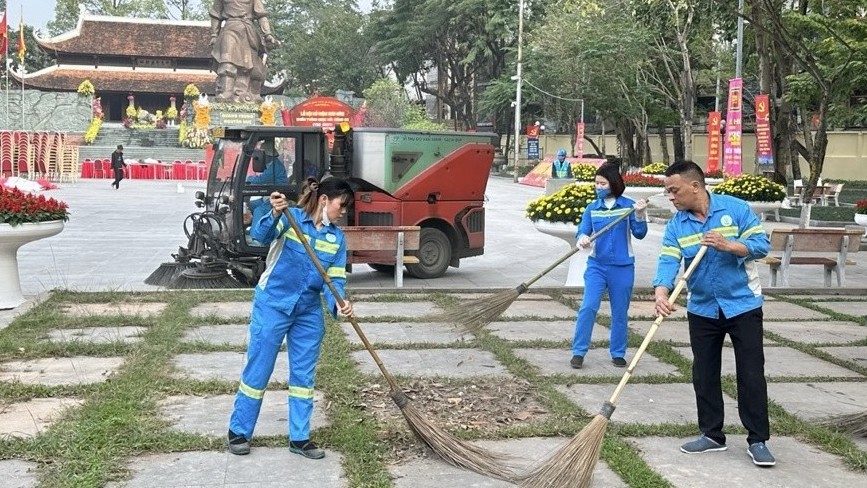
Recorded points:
(476, 314)
(853, 423)
(458, 452)
(573, 463)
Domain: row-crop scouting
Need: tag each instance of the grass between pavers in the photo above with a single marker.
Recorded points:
(129, 401)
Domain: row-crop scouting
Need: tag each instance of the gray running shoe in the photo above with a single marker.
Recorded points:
(761, 455)
(702, 444)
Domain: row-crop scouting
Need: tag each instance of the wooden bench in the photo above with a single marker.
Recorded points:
(839, 241)
(383, 245)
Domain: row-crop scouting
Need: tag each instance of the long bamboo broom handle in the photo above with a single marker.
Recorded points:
(525, 285)
(388, 377)
(677, 289)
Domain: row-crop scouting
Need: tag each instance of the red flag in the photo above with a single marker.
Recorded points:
(4, 36)
(21, 48)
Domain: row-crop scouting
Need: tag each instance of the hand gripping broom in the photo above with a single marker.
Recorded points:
(573, 464)
(453, 450)
(478, 313)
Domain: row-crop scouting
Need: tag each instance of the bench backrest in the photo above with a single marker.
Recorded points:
(816, 239)
(380, 238)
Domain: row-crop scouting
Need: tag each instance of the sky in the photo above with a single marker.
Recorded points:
(39, 12)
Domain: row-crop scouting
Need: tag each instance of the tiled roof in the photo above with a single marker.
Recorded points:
(120, 36)
(67, 78)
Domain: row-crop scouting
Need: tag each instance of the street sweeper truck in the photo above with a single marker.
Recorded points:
(433, 180)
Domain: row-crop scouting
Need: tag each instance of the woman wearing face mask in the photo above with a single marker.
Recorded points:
(287, 305)
(611, 264)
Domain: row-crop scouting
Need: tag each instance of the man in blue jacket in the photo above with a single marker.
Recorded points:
(561, 168)
(725, 298)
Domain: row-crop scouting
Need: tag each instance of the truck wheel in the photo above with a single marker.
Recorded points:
(434, 254)
(382, 268)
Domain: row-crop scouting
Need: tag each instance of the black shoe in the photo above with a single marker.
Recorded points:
(577, 362)
(307, 449)
(619, 362)
(238, 444)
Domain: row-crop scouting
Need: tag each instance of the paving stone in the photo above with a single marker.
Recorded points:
(783, 361)
(27, 419)
(641, 308)
(103, 309)
(798, 464)
(78, 370)
(671, 403)
(209, 414)
(819, 401)
(223, 310)
(673, 331)
(597, 363)
(847, 307)
(394, 309)
(861, 442)
(407, 332)
(818, 333)
(534, 296)
(98, 335)
(231, 334)
(224, 366)
(452, 363)
(856, 354)
(548, 330)
(265, 467)
(534, 308)
(779, 310)
(432, 472)
(18, 474)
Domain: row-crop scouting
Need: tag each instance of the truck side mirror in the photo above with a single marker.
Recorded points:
(258, 158)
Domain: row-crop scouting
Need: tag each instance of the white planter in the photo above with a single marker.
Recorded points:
(861, 219)
(578, 261)
(12, 238)
(762, 208)
(642, 192)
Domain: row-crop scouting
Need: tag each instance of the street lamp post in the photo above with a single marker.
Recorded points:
(518, 91)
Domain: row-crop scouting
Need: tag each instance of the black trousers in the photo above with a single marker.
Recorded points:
(118, 175)
(706, 337)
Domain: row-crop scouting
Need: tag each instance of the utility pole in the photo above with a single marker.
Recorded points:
(518, 95)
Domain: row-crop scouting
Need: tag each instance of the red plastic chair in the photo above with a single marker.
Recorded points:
(23, 151)
(6, 154)
(179, 172)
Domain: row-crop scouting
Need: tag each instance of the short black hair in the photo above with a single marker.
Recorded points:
(120, 147)
(686, 169)
(611, 172)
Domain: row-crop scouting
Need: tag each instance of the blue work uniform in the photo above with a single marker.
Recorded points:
(722, 281)
(287, 305)
(611, 266)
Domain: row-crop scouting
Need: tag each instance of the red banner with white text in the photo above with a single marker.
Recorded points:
(764, 146)
(579, 140)
(713, 142)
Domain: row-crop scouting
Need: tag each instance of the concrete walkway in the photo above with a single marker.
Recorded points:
(116, 238)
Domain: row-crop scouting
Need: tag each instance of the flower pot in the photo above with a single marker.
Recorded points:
(12, 238)
(861, 219)
(578, 261)
(642, 192)
(761, 208)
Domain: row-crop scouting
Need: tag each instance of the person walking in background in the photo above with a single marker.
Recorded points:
(611, 264)
(117, 164)
(561, 168)
(725, 297)
(287, 305)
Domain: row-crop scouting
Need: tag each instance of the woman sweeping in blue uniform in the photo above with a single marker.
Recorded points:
(287, 305)
(611, 264)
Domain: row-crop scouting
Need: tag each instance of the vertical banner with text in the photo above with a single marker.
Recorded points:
(764, 147)
(713, 142)
(532, 141)
(732, 147)
(579, 140)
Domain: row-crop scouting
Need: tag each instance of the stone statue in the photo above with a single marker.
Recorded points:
(238, 48)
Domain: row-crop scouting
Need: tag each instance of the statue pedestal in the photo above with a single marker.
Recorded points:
(224, 114)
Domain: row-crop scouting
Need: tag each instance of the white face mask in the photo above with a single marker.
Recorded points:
(325, 220)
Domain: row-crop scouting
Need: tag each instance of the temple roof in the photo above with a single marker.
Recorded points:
(122, 36)
(125, 80)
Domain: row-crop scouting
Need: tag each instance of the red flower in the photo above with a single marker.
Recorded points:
(17, 207)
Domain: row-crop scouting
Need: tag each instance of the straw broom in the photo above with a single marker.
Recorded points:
(853, 423)
(478, 313)
(574, 463)
(455, 451)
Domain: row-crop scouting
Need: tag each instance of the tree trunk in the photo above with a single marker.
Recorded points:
(626, 137)
(663, 143)
(678, 143)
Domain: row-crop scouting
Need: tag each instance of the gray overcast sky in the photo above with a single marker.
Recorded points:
(39, 12)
